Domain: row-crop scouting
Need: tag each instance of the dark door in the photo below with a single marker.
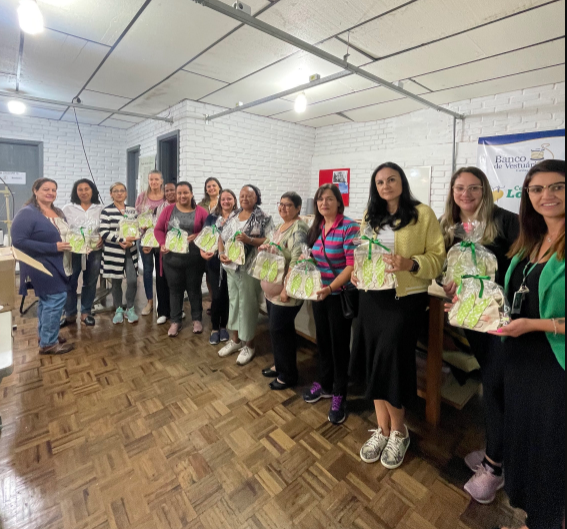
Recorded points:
(133, 169)
(168, 157)
(21, 164)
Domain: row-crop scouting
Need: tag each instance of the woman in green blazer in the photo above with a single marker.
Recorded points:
(534, 346)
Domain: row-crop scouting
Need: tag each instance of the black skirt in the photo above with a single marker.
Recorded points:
(385, 339)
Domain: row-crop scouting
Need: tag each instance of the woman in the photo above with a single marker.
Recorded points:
(218, 280)
(332, 239)
(471, 199)
(36, 231)
(213, 190)
(184, 272)
(387, 330)
(83, 211)
(534, 351)
(282, 311)
(252, 226)
(152, 200)
(120, 256)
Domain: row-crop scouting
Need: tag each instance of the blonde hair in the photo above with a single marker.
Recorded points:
(485, 213)
(115, 185)
(162, 188)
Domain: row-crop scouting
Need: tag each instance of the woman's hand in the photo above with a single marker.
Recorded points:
(450, 290)
(125, 245)
(131, 240)
(207, 256)
(264, 248)
(164, 250)
(243, 238)
(284, 297)
(354, 279)
(225, 260)
(100, 244)
(449, 306)
(397, 263)
(146, 250)
(516, 329)
(63, 247)
(322, 295)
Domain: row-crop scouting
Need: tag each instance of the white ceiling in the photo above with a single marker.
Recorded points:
(145, 57)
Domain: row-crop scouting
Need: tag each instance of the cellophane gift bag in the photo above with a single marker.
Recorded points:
(83, 239)
(149, 239)
(208, 239)
(269, 265)
(177, 240)
(369, 266)
(147, 219)
(304, 280)
(235, 250)
(481, 305)
(129, 228)
(469, 257)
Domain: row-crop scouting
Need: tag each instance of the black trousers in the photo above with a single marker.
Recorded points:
(221, 303)
(284, 341)
(185, 273)
(333, 341)
(489, 352)
(162, 290)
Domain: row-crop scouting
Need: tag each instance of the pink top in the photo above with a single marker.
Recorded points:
(143, 203)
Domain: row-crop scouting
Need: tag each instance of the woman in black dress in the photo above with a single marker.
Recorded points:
(534, 348)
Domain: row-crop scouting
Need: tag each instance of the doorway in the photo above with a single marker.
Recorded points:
(21, 164)
(168, 157)
(133, 168)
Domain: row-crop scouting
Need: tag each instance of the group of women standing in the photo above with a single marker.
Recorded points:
(522, 365)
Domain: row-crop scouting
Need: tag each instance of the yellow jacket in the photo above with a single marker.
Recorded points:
(422, 242)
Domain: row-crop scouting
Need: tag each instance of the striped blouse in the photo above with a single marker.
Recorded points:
(114, 256)
(339, 243)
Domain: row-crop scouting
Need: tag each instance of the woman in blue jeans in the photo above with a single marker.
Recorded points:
(83, 211)
(37, 231)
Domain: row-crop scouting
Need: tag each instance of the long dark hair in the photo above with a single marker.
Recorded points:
(187, 184)
(532, 225)
(36, 187)
(218, 209)
(207, 198)
(377, 214)
(315, 230)
(75, 196)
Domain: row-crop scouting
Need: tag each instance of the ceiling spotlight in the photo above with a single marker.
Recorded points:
(31, 19)
(16, 107)
(301, 103)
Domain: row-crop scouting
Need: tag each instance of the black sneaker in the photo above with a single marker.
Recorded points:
(338, 414)
(315, 394)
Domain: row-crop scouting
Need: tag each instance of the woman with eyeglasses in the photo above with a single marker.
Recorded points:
(290, 237)
(534, 353)
(471, 199)
(120, 256)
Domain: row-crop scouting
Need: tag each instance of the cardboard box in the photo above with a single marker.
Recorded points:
(8, 258)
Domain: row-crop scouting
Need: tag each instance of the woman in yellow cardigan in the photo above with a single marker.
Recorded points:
(386, 331)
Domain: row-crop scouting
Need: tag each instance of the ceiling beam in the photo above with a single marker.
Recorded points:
(240, 16)
(280, 95)
(55, 102)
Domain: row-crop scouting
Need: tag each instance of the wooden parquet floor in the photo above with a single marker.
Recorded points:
(134, 430)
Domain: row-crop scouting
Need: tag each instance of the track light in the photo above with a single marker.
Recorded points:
(301, 103)
(31, 19)
(16, 107)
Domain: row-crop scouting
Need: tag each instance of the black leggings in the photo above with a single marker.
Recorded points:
(284, 341)
(221, 303)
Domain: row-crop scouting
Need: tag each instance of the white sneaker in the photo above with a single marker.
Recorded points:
(246, 356)
(162, 320)
(372, 451)
(395, 453)
(230, 348)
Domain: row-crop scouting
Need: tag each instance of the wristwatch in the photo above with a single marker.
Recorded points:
(416, 267)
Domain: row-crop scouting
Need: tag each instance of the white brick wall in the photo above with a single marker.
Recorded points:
(64, 160)
(425, 138)
(237, 149)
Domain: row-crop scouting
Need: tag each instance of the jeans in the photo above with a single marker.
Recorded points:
(49, 312)
(90, 281)
(150, 262)
(284, 341)
(132, 285)
(333, 342)
(221, 302)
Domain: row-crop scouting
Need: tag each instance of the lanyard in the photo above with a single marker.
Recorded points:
(524, 291)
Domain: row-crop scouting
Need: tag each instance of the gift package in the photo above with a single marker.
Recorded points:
(304, 280)
(147, 220)
(129, 228)
(177, 240)
(470, 257)
(83, 239)
(208, 239)
(369, 266)
(269, 265)
(481, 305)
(235, 250)
(149, 239)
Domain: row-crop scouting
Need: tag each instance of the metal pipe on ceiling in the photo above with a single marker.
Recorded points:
(454, 145)
(255, 23)
(285, 93)
(66, 104)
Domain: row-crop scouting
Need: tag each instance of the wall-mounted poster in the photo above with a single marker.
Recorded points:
(507, 159)
(339, 177)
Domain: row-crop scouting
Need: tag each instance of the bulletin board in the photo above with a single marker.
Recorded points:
(339, 177)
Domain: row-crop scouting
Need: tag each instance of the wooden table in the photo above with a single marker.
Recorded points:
(434, 360)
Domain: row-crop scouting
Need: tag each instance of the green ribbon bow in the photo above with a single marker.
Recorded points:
(312, 261)
(83, 234)
(215, 230)
(178, 230)
(236, 235)
(375, 242)
(472, 246)
(277, 246)
(482, 279)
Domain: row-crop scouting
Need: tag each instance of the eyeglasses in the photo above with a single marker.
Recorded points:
(283, 205)
(119, 191)
(555, 189)
(474, 190)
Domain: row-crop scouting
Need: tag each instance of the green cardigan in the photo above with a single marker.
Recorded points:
(551, 298)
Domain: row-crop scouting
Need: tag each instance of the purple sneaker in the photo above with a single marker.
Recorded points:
(484, 485)
(315, 394)
(338, 415)
(475, 459)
